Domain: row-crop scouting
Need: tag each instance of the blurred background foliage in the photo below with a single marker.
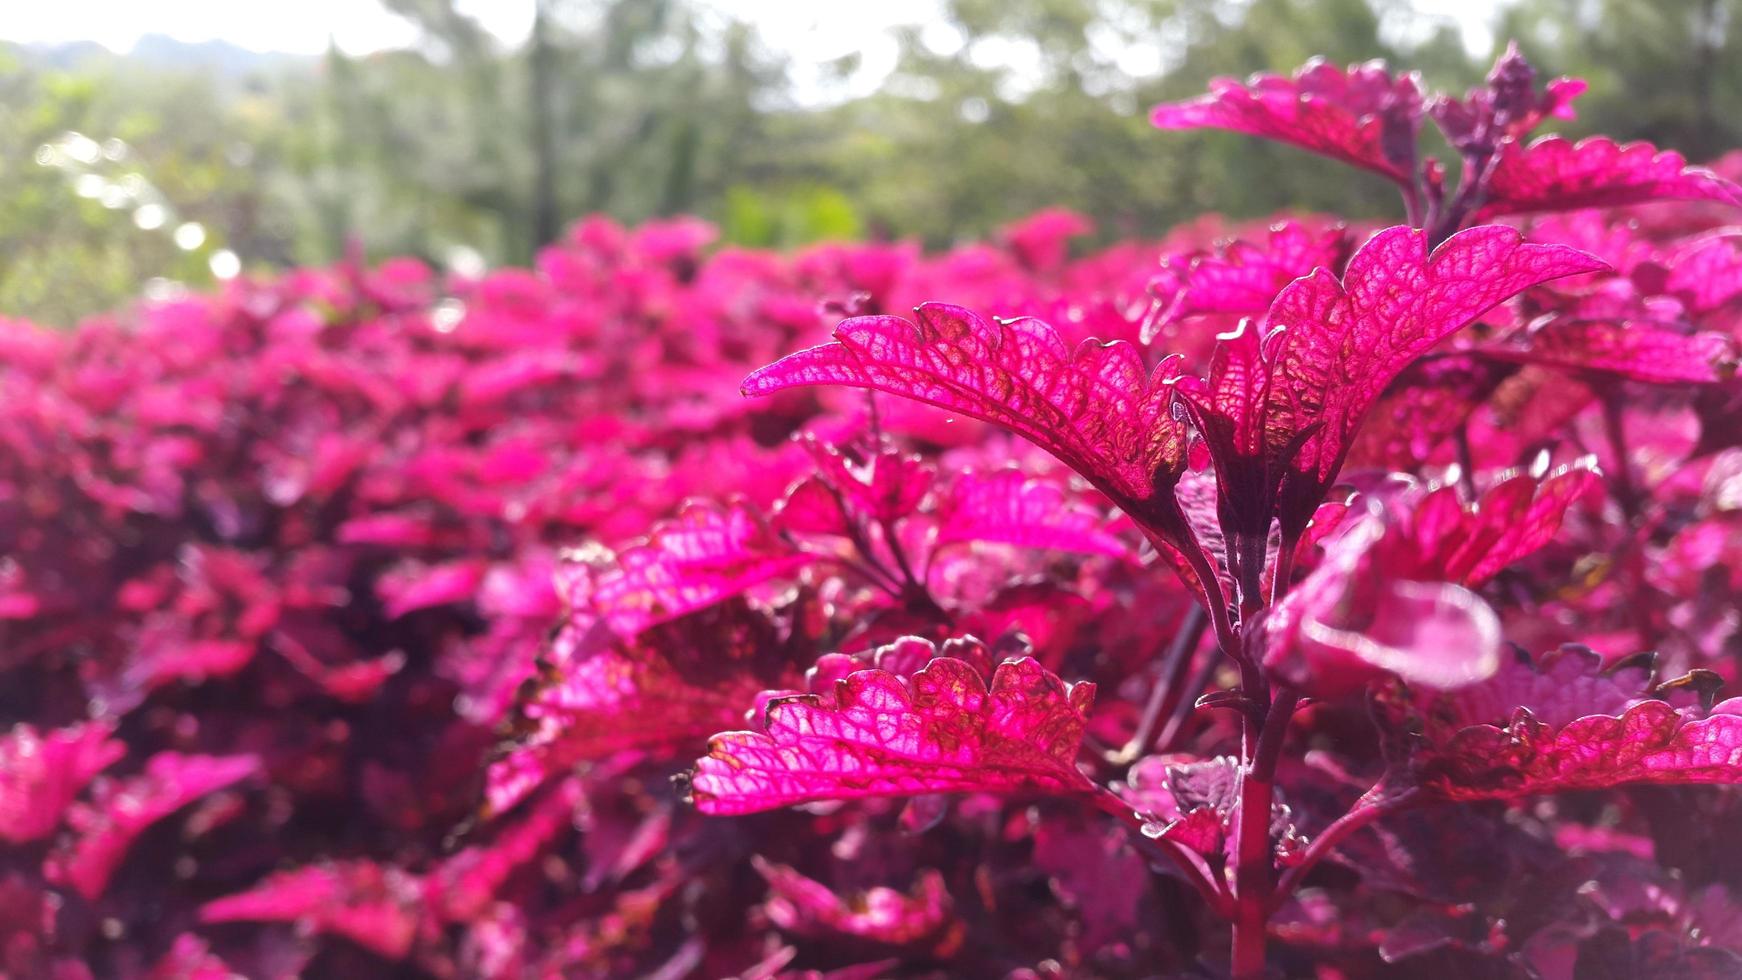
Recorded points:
(467, 151)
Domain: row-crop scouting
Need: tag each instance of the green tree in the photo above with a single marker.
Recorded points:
(1669, 71)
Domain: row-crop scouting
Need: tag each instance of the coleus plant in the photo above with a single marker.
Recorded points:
(354, 621)
(1274, 416)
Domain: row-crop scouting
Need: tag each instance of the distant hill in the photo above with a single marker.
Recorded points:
(220, 58)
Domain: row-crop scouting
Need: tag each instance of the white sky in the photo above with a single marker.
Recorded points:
(358, 26)
(809, 31)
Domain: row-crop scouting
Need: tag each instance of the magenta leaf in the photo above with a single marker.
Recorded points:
(1198, 500)
(1007, 507)
(411, 586)
(1616, 953)
(1242, 278)
(1707, 274)
(884, 916)
(1094, 871)
(1469, 544)
(1364, 115)
(662, 693)
(377, 907)
(813, 506)
(41, 774)
(120, 811)
(1194, 802)
(1042, 240)
(1566, 724)
(1356, 618)
(1564, 685)
(191, 958)
(1422, 408)
(1637, 351)
(462, 887)
(878, 734)
(1095, 408)
(1556, 174)
(704, 555)
(1336, 345)
(1393, 593)
(882, 485)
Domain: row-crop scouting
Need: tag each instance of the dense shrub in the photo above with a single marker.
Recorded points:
(355, 622)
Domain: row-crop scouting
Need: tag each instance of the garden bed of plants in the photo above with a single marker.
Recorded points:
(1294, 596)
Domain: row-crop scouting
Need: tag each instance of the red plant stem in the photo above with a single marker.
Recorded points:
(1275, 730)
(1252, 844)
(878, 576)
(1174, 663)
(1218, 609)
(894, 542)
(1250, 571)
(1188, 701)
(1256, 692)
(1626, 495)
(1283, 573)
(1251, 876)
(1412, 206)
(873, 573)
(1466, 461)
(862, 544)
(1169, 529)
(1472, 187)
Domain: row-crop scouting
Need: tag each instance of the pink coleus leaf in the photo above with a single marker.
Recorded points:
(882, 485)
(1621, 952)
(1095, 872)
(1556, 174)
(119, 812)
(1422, 408)
(616, 843)
(1042, 240)
(1242, 278)
(1706, 274)
(462, 887)
(1566, 724)
(1334, 346)
(1355, 618)
(1470, 543)
(377, 907)
(1562, 686)
(1364, 115)
(1096, 408)
(1637, 351)
(1008, 507)
(1194, 801)
(807, 908)
(411, 586)
(1393, 593)
(191, 958)
(706, 554)
(878, 734)
(40, 774)
(662, 693)
(813, 506)
(1199, 501)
